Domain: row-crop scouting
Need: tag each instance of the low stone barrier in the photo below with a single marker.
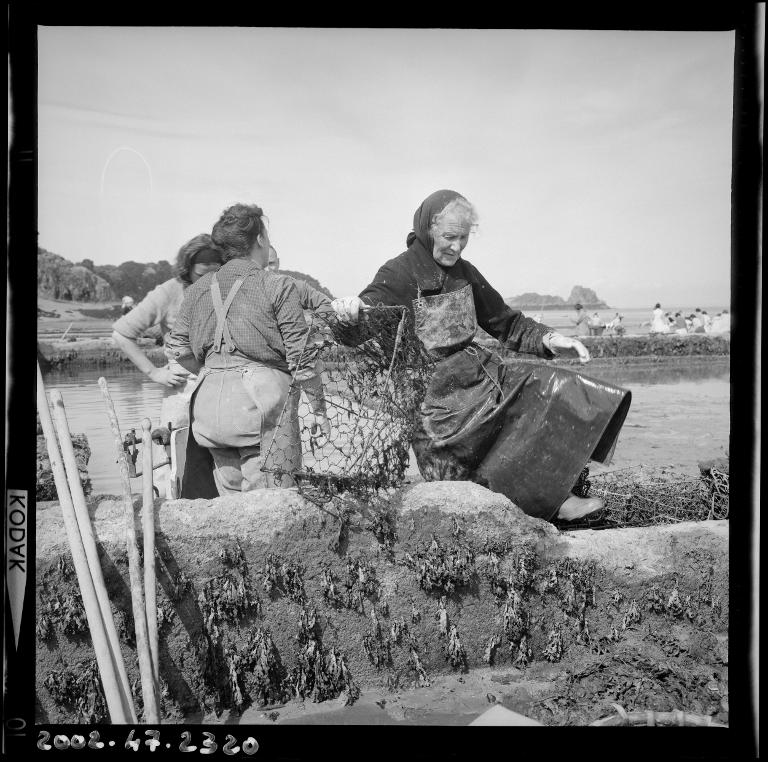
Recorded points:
(103, 352)
(93, 353)
(658, 345)
(265, 596)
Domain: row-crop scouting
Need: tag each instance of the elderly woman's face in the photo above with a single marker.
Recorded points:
(450, 234)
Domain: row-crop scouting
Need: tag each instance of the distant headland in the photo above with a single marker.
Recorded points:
(60, 279)
(579, 295)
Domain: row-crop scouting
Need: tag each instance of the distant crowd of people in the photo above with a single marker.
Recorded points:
(661, 321)
(699, 321)
(594, 325)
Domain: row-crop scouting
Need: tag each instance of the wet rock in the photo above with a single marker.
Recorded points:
(94, 353)
(468, 499)
(45, 488)
(720, 464)
(507, 678)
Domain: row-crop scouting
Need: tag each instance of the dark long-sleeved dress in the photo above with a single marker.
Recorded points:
(524, 429)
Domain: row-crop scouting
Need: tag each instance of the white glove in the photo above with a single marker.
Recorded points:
(556, 342)
(347, 308)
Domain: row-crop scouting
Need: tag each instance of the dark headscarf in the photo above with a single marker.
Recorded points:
(422, 219)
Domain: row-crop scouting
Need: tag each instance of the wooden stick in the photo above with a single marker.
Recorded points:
(151, 713)
(148, 524)
(104, 660)
(89, 544)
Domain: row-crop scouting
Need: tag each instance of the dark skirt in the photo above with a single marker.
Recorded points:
(523, 429)
(197, 480)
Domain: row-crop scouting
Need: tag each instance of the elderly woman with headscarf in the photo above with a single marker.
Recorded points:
(525, 430)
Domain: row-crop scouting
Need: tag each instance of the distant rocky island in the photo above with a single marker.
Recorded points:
(579, 295)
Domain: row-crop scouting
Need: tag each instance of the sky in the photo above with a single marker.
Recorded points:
(597, 158)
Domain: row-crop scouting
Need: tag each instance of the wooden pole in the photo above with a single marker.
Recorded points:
(151, 713)
(89, 544)
(148, 525)
(109, 680)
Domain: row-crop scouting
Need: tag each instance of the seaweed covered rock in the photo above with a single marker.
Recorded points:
(265, 597)
(45, 486)
(94, 353)
(653, 347)
(658, 345)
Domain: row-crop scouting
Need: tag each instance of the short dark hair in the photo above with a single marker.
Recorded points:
(188, 252)
(236, 230)
(658, 306)
(578, 306)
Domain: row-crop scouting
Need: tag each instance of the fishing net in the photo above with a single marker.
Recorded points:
(643, 496)
(374, 376)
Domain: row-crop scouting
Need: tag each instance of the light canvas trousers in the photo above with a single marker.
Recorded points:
(235, 415)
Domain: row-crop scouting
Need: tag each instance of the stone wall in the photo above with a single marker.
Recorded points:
(656, 346)
(94, 353)
(440, 577)
(102, 352)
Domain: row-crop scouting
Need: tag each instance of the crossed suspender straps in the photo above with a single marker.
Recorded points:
(222, 309)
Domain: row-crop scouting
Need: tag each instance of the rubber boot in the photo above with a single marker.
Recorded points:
(575, 508)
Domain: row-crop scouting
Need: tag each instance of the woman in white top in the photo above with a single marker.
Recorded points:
(160, 306)
(659, 322)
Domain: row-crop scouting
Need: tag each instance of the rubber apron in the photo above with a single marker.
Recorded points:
(446, 322)
(523, 429)
(459, 416)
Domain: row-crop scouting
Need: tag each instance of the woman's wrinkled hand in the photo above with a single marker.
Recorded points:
(556, 343)
(347, 308)
(167, 377)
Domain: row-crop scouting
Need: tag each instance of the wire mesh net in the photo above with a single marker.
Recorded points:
(351, 432)
(643, 496)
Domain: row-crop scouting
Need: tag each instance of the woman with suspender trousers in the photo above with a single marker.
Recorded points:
(245, 329)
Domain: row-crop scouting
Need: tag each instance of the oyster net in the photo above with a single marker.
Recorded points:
(642, 496)
(374, 376)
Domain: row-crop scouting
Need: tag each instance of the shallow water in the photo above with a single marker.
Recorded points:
(134, 397)
(679, 413)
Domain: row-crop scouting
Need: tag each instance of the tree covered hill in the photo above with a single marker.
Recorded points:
(58, 278)
(309, 279)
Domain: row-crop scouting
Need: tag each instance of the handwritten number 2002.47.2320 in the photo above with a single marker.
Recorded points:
(208, 746)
